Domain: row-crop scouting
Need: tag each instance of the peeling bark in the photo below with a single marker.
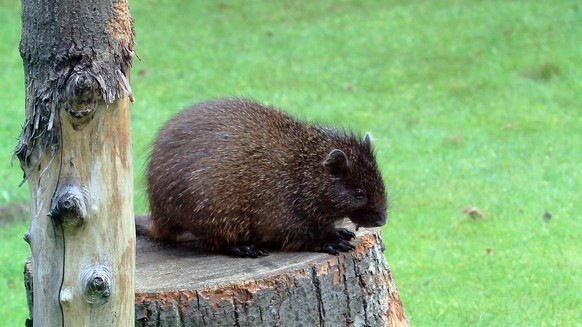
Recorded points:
(75, 151)
(75, 55)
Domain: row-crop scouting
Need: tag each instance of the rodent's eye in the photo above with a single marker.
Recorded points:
(359, 193)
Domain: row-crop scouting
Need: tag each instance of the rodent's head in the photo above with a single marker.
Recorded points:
(356, 189)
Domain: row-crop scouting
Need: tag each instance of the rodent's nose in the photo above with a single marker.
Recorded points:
(381, 220)
(369, 218)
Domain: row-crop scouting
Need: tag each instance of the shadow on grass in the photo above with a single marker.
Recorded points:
(13, 212)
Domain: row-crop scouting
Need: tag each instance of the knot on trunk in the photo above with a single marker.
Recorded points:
(69, 206)
(96, 281)
(82, 92)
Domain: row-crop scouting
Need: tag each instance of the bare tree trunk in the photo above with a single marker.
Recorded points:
(75, 151)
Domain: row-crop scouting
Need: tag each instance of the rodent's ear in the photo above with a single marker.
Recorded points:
(368, 139)
(336, 161)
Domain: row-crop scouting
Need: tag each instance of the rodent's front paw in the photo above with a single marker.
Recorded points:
(338, 241)
(345, 234)
(335, 247)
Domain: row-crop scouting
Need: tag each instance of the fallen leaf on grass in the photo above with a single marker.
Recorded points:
(543, 72)
(473, 212)
(547, 216)
(455, 139)
(13, 211)
(348, 87)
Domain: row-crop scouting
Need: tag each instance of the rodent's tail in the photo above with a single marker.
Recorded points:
(143, 225)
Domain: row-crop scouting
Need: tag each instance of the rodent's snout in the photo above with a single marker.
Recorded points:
(369, 219)
(382, 217)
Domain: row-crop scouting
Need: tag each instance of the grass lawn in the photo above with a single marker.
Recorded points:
(473, 104)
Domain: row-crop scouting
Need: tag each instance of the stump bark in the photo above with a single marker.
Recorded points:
(178, 286)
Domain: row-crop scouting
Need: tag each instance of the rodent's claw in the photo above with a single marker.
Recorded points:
(262, 252)
(346, 246)
(245, 251)
(335, 247)
(330, 249)
(345, 234)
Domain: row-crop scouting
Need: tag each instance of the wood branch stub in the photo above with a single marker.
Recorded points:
(97, 284)
(81, 91)
(26, 237)
(69, 206)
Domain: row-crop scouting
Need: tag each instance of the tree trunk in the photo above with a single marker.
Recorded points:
(75, 151)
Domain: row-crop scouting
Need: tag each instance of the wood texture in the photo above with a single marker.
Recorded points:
(178, 286)
(76, 154)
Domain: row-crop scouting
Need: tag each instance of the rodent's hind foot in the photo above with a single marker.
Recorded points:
(246, 251)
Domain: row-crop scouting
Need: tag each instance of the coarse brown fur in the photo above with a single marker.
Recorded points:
(244, 178)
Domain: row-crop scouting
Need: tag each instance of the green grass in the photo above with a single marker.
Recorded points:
(472, 103)
(14, 309)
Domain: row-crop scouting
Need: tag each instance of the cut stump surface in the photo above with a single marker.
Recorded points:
(179, 286)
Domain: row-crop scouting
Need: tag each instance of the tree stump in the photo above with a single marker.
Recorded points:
(177, 285)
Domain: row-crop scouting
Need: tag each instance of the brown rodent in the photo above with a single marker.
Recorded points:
(244, 178)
